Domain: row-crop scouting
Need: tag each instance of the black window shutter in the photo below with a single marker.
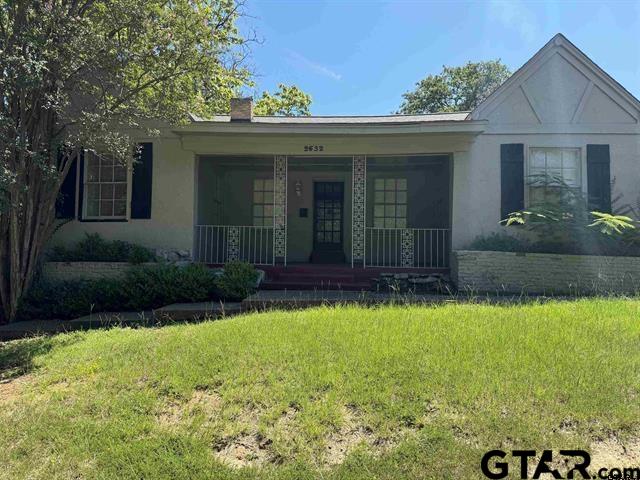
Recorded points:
(599, 177)
(142, 182)
(66, 201)
(81, 185)
(511, 178)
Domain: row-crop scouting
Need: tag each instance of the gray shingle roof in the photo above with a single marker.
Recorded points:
(345, 120)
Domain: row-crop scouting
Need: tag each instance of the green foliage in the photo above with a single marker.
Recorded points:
(499, 242)
(567, 225)
(455, 89)
(141, 288)
(428, 389)
(94, 248)
(96, 74)
(287, 101)
(238, 281)
(609, 224)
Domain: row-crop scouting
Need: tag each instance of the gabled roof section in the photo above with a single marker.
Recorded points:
(556, 62)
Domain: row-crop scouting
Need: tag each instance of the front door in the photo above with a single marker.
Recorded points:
(328, 210)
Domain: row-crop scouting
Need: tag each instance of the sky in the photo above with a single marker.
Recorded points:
(357, 57)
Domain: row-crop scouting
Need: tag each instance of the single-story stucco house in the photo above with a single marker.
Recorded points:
(367, 192)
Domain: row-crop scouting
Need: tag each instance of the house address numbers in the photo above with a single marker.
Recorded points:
(314, 148)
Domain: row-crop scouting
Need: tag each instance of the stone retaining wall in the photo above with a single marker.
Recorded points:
(87, 270)
(541, 273)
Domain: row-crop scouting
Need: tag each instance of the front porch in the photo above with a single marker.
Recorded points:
(369, 214)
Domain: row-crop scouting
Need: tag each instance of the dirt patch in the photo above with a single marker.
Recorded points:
(350, 434)
(252, 449)
(177, 412)
(245, 451)
(613, 452)
(11, 389)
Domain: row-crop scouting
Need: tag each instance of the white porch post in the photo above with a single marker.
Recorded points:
(358, 211)
(280, 209)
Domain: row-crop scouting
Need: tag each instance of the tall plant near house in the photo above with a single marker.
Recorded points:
(564, 221)
(77, 73)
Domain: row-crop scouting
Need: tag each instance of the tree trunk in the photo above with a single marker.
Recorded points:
(26, 228)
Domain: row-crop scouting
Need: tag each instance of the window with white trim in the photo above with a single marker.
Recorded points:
(550, 171)
(263, 202)
(390, 203)
(106, 188)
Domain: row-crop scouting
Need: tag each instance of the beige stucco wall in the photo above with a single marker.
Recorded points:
(476, 184)
(171, 222)
(556, 100)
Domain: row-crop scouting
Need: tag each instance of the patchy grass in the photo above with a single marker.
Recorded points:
(393, 392)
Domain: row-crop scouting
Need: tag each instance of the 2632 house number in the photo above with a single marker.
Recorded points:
(314, 148)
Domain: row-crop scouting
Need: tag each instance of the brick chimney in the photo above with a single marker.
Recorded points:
(241, 109)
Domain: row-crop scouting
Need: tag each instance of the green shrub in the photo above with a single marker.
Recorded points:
(71, 299)
(94, 248)
(141, 288)
(238, 281)
(499, 242)
(156, 286)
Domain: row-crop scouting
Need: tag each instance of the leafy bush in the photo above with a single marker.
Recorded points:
(141, 288)
(567, 225)
(238, 281)
(499, 242)
(94, 248)
(156, 286)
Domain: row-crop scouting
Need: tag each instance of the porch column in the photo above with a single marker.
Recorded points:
(406, 248)
(358, 210)
(280, 209)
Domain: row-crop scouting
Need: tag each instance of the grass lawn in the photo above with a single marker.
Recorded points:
(393, 392)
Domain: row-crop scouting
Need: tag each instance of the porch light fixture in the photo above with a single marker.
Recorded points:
(298, 188)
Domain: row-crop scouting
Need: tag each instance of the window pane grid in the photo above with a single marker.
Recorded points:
(390, 203)
(105, 187)
(550, 169)
(263, 202)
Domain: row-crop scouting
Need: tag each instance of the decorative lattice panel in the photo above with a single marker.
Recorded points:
(280, 207)
(359, 208)
(406, 252)
(233, 244)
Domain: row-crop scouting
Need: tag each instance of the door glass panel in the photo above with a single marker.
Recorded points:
(328, 198)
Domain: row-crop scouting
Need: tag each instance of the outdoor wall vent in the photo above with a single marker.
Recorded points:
(241, 109)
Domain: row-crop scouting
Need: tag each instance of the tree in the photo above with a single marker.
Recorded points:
(455, 89)
(288, 100)
(80, 74)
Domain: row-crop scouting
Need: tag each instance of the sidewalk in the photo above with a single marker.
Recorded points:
(262, 300)
(178, 312)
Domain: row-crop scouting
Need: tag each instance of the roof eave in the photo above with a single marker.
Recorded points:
(473, 127)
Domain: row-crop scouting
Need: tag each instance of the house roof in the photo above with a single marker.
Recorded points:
(345, 119)
(558, 41)
(469, 122)
(435, 123)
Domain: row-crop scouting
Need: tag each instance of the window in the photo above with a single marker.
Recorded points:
(263, 202)
(551, 170)
(390, 203)
(105, 188)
